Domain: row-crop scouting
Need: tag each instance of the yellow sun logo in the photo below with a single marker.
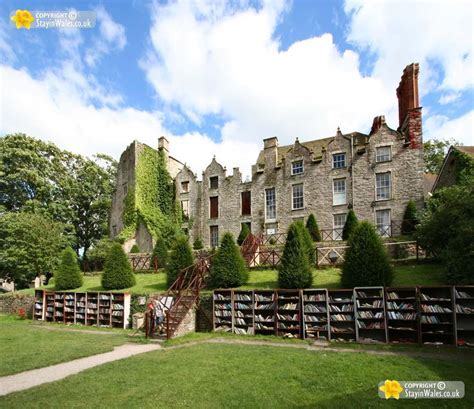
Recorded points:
(22, 18)
(391, 389)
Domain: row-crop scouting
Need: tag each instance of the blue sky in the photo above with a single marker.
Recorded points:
(218, 77)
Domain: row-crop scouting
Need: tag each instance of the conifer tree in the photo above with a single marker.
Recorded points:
(244, 232)
(118, 273)
(313, 228)
(160, 252)
(197, 245)
(135, 249)
(307, 241)
(349, 226)
(295, 270)
(410, 218)
(181, 257)
(68, 274)
(228, 267)
(366, 261)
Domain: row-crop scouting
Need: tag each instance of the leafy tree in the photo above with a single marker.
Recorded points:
(181, 257)
(160, 252)
(410, 218)
(30, 245)
(135, 249)
(350, 225)
(313, 228)
(366, 262)
(307, 241)
(434, 151)
(68, 275)
(244, 232)
(294, 270)
(447, 231)
(228, 268)
(98, 253)
(71, 189)
(198, 245)
(118, 273)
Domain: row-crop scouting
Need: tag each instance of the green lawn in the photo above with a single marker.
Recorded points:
(26, 346)
(409, 275)
(245, 376)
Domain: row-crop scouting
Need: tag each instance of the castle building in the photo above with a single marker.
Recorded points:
(374, 174)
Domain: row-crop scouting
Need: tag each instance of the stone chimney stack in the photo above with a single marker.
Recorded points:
(163, 144)
(409, 110)
(270, 151)
(407, 92)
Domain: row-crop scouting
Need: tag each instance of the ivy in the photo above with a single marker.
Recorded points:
(152, 201)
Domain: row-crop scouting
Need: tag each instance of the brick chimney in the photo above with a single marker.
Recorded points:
(409, 110)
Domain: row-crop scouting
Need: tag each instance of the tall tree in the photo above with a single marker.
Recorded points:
(434, 151)
(72, 189)
(313, 228)
(68, 275)
(181, 257)
(350, 225)
(118, 273)
(30, 245)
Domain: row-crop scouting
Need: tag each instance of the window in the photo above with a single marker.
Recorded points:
(246, 208)
(384, 225)
(270, 204)
(383, 154)
(297, 167)
(339, 222)
(214, 182)
(383, 184)
(297, 196)
(185, 187)
(339, 160)
(185, 208)
(214, 236)
(214, 207)
(339, 192)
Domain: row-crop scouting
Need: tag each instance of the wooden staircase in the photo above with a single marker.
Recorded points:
(180, 298)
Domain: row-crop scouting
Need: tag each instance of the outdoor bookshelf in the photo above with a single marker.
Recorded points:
(464, 308)
(369, 309)
(38, 311)
(242, 313)
(316, 314)
(102, 309)
(341, 314)
(288, 317)
(401, 306)
(264, 312)
(437, 315)
(222, 307)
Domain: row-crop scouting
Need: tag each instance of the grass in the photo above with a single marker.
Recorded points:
(26, 346)
(405, 275)
(244, 376)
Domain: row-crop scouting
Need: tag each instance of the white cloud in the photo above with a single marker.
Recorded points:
(112, 37)
(435, 33)
(230, 64)
(459, 129)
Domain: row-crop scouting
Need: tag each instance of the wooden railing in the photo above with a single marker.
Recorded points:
(143, 262)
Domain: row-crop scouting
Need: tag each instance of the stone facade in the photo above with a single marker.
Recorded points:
(374, 174)
(11, 303)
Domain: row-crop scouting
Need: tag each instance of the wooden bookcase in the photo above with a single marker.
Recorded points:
(369, 309)
(401, 306)
(316, 314)
(242, 313)
(341, 314)
(264, 312)
(288, 316)
(464, 308)
(222, 307)
(437, 315)
(38, 311)
(102, 309)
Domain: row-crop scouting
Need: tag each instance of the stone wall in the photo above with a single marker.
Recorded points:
(188, 325)
(11, 303)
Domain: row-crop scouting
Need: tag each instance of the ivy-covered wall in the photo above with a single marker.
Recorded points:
(152, 199)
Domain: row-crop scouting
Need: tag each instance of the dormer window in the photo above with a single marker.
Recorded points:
(297, 167)
(339, 160)
(214, 182)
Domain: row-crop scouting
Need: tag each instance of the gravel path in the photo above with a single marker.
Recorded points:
(35, 377)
